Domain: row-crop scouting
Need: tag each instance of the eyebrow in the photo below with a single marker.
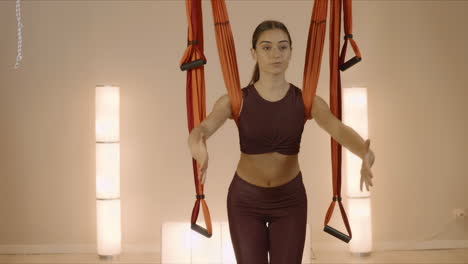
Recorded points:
(270, 41)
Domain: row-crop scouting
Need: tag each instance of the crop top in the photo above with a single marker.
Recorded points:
(271, 126)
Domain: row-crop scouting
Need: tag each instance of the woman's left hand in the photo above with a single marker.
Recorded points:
(367, 162)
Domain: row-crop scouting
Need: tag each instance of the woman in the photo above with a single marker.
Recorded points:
(267, 201)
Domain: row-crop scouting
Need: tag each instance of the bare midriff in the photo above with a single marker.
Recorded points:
(268, 169)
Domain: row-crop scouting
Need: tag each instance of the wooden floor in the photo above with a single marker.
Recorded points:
(418, 256)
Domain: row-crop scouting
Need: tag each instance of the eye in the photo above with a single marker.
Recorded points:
(284, 47)
(265, 48)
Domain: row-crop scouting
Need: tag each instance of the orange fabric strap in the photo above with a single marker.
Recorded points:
(193, 61)
(314, 52)
(227, 55)
(336, 64)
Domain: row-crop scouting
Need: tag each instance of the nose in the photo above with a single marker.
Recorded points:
(275, 52)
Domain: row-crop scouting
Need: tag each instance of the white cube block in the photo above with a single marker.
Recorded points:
(175, 243)
(180, 244)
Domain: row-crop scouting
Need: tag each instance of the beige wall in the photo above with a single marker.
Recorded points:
(414, 66)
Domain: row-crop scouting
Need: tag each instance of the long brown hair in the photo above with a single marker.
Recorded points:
(264, 26)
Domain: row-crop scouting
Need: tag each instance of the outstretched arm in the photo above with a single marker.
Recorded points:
(342, 133)
(346, 136)
(199, 134)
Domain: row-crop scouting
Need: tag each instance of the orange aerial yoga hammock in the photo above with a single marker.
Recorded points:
(194, 59)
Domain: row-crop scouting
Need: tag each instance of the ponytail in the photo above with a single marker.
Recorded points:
(255, 75)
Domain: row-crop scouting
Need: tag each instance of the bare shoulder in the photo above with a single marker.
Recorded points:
(217, 117)
(224, 102)
(318, 107)
(225, 99)
(223, 105)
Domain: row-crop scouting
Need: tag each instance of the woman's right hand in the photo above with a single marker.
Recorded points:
(200, 154)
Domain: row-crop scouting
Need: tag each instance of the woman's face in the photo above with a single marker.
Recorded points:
(273, 51)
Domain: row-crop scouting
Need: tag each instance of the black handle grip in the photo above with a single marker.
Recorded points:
(332, 231)
(200, 230)
(350, 63)
(192, 64)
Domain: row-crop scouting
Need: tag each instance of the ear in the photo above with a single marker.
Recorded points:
(253, 53)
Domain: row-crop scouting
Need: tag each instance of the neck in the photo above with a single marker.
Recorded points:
(272, 83)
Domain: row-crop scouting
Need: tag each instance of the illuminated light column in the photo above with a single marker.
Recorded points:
(354, 115)
(108, 171)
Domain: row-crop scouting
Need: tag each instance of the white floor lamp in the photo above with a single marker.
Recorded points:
(355, 116)
(108, 171)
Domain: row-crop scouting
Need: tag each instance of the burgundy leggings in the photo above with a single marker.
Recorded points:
(284, 208)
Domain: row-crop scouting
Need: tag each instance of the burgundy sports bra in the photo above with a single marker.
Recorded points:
(271, 126)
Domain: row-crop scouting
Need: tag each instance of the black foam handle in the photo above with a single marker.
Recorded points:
(200, 230)
(332, 231)
(350, 63)
(192, 64)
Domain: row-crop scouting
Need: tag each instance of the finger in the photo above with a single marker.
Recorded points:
(204, 177)
(364, 171)
(368, 173)
(198, 166)
(200, 174)
(204, 169)
(361, 182)
(205, 162)
(369, 182)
